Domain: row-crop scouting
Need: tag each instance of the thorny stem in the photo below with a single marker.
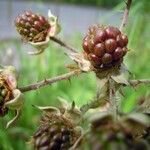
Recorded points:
(112, 97)
(50, 81)
(97, 102)
(101, 98)
(139, 82)
(76, 144)
(93, 104)
(126, 14)
(63, 44)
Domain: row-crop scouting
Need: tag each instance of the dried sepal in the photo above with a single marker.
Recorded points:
(73, 112)
(63, 104)
(144, 104)
(79, 58)
(39, 46)
(100, 119)
(17, 102)
(10, 74)
(11, 97)
(16, 105)
(12, 121)
(136, 123)
(48, 109)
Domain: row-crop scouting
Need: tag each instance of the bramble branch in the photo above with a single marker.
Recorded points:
(63, 44)
(50, 81)
(139, 82)
(126, 14)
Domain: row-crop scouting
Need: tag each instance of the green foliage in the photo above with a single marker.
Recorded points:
(82, 88)
(102, 3)
(35, 68)
(138, 62)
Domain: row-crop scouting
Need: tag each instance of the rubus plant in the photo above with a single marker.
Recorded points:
(68, 127)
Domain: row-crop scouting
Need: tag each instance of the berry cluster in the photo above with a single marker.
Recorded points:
(112, 137)
(5, 95)
(32, 27)
(55, 134)
(105, 46)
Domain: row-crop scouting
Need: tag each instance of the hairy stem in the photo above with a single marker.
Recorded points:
(102, 95)
(50, 81)
(126, 14)
(63, 44)
(112, 97)
(139, 82)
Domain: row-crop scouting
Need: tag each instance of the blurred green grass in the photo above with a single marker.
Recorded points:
(82, 88)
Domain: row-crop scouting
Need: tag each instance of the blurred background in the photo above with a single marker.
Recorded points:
(75, 17)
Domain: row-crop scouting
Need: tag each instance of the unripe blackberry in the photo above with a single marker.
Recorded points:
(32, 27)
(106, 139)
(105, 46)
(5, 95)
(55, 133)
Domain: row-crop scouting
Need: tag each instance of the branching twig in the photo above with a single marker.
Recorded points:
(126, 14)
(63, 44)
(94, 104)
(140, 81)
(45, 82)
(76, 144)
(112, 97)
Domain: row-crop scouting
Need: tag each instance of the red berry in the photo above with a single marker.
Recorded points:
(28, 13)
(110, 45)
(42, 19)
(118, 53)
(22, 23)
(23, 16)
(29, 19)
(112, 32)
(124, 49)
(122, 40)
(85, 46)
(91, 45)
(96, 60)
(125, 39)
(107, 58)
(100, 36)
(37, 25)
(34, 17)
(34, 31)
(99, 49)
